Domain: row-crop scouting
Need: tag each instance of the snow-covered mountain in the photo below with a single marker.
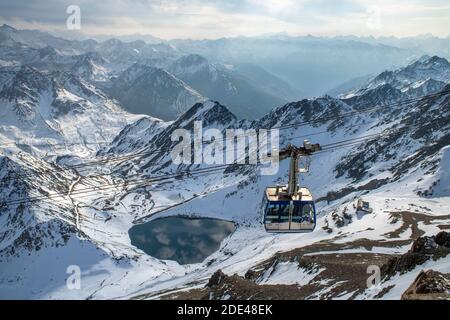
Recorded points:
(153, 91)
(6, 73)
(124, 54)
(395, 173)
(313, 65)
(54, 217)
(47, 52)
(424, 76)
(370, 169)
(32, 38)
(57, 110)
(46, 58)
(91, 67)
(220, 83)
(157, 142)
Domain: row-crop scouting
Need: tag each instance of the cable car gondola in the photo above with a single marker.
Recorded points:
(291, 208)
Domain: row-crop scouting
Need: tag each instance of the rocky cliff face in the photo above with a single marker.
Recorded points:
(429, 285)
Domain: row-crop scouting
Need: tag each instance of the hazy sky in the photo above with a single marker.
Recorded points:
(225, 18)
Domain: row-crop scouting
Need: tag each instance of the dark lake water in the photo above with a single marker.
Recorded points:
(185, 240)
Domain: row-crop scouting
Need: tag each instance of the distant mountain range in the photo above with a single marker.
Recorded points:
(285, 68)
(186, 79)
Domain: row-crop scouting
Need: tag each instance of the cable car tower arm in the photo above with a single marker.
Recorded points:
(295, 153)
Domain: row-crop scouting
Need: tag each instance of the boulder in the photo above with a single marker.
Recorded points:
(428, 285)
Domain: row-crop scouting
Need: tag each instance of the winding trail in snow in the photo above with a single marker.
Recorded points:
(75, 205)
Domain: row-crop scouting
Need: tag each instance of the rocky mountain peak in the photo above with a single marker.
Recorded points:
(135, 71)
(304, 110)
(144, 89)
(412, 79)
(385, 76)
(92, 56)
(7, 28)
(209, 112)
(112, 42)
(433, 62)
(190, 64)
(435, 67)
(27, 82)
(47, 51)
(144, 75)
(191, 59)
(73, 83)
(91, 66)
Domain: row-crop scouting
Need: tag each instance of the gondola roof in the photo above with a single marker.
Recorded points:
(303, 194)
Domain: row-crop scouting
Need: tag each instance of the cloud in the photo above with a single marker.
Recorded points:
(220, 18)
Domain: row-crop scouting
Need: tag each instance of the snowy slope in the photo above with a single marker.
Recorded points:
(91, 67)
(41, 240)
(57, 111)
(424, 76)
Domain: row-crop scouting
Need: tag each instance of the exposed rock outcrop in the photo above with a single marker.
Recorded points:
(429, 285)
(422, 249)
